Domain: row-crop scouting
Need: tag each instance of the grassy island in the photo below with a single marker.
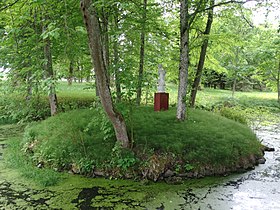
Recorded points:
(82, 141)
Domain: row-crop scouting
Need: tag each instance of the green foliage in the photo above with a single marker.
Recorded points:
(15, 108)
(14, 158)
(62, 142)
(103, 123)
(122, 158)
(234, 113)
(188, 167)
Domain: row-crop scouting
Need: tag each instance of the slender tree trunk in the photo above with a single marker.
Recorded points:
(105, 42)
(203, 50)
(29, 87)
(50, 75)
(142, 54)
(278, 81)
(234, 86)
(92, 25)
(116, 61)
(236, 72)
(71, 73)
(184, 60)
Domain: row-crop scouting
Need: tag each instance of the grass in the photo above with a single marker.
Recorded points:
(208, 97)
(78, 140)
(83, 91)
(15, 158)
(203, 138)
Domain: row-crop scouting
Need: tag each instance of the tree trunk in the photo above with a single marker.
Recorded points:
(203, 50)
(184, 60)
(105, 42)
(71, 73)
(278, 81)
(93, 30)
(233, 86)
(116, 61)
(142, 54)
(50, 75)
(236, 71)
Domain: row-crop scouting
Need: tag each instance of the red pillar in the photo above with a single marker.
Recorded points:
(161, 101)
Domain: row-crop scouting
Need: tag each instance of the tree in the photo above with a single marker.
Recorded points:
(142, 54)
(92, 24)
(184, 59)
(189, 10)
(203, 50)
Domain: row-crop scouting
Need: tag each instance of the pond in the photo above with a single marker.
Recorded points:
(256, 189)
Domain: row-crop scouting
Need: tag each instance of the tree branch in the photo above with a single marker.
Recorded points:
(192, 16)
(246, 20)
(9, 5)
(221, 4)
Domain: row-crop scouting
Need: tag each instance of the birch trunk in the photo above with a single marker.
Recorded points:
(184, 61)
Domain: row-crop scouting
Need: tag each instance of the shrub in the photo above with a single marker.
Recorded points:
(15, 108)
(235, 113)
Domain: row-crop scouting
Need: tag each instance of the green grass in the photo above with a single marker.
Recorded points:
(15, 158)
(81, 139)
(210, 97)
(81, 90)
(14, 108)
(203, 138)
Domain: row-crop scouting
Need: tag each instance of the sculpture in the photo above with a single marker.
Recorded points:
(161, 79)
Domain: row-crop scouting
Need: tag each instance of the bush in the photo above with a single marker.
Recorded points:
(15, 108)
(234, 113)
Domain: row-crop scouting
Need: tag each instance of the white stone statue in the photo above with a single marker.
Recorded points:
(161, 79)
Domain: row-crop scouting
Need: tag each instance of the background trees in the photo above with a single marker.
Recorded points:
(46, 40)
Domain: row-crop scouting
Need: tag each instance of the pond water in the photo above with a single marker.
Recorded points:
(258, 189)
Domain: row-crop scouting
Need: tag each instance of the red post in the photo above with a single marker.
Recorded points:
(161, 101)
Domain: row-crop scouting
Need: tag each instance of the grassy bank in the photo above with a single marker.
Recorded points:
(82, 141)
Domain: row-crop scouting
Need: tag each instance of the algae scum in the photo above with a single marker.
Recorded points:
(257, 189)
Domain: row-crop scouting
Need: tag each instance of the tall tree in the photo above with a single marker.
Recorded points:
(184, 59)
(92, 24)
(50, 75)
(142, 54)
(189, 10)
(203, 50)
(117, 56)
(278, 80)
